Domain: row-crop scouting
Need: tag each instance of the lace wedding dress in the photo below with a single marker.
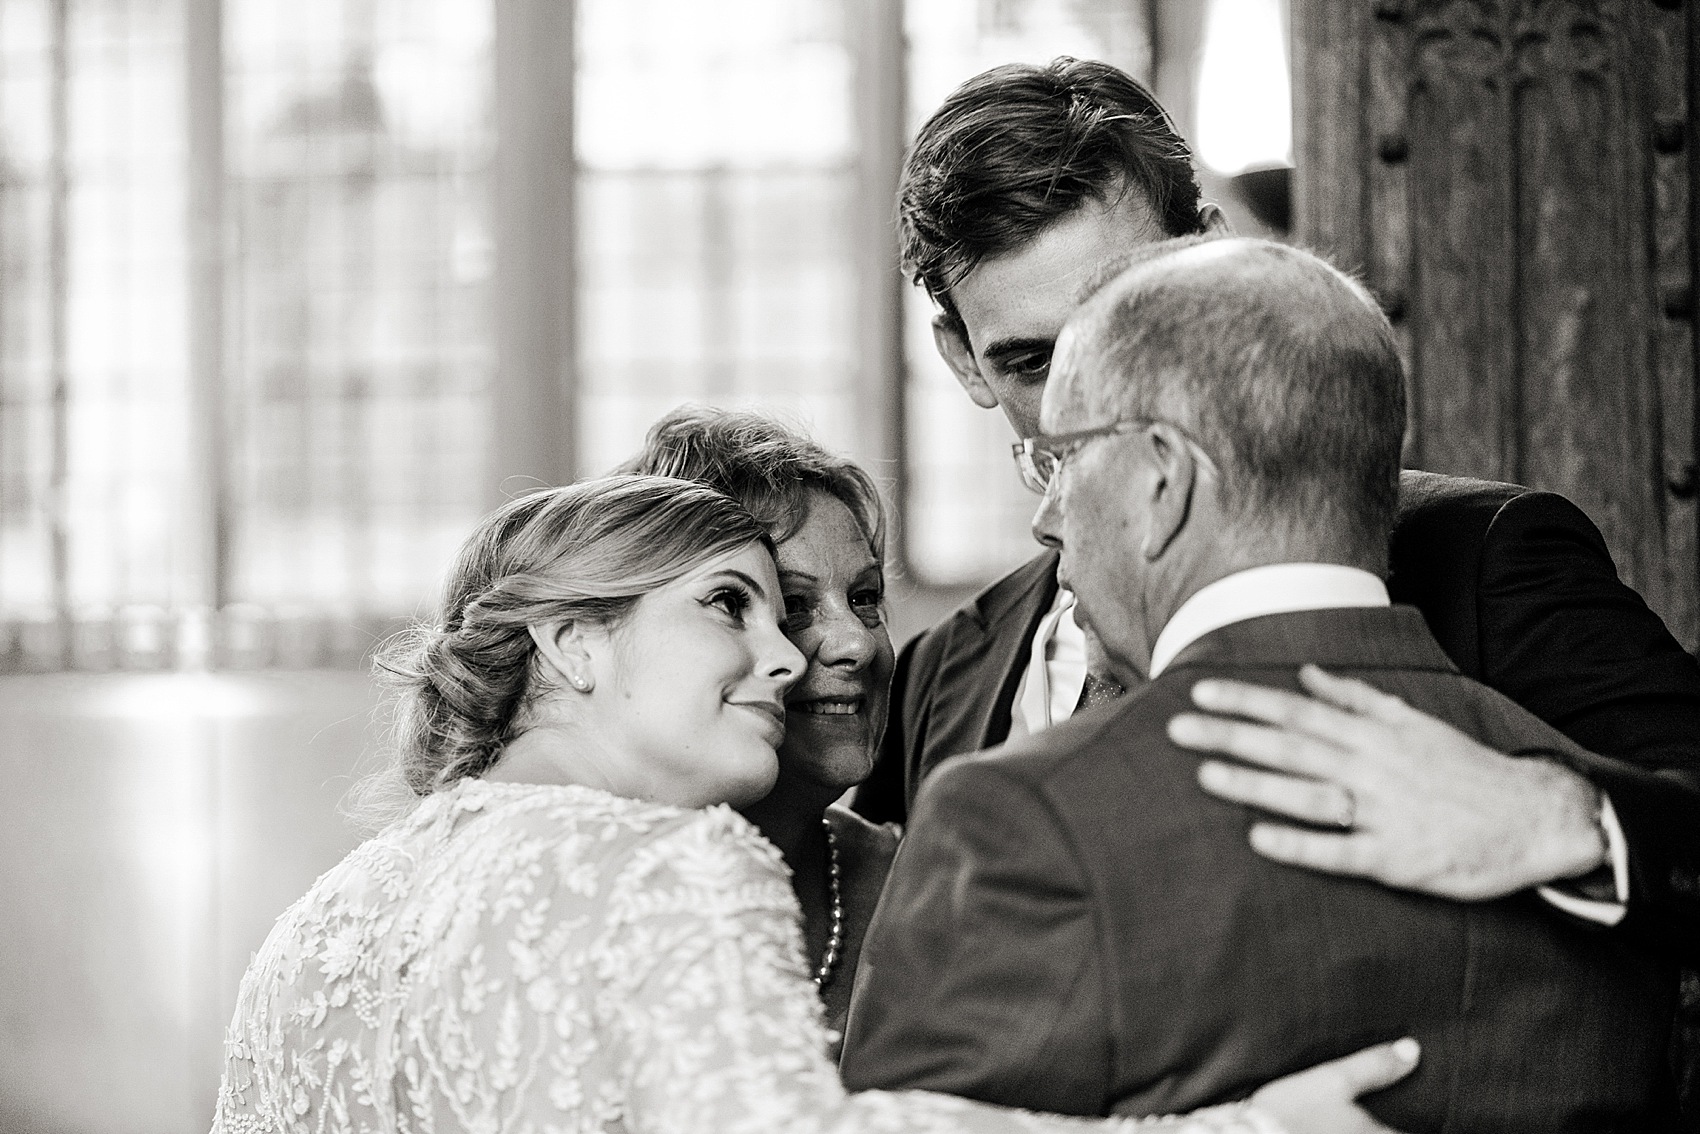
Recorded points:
(557, 959)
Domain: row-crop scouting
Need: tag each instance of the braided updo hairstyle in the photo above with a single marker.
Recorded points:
(587, 552)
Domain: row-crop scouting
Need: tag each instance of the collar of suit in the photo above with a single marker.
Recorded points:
(1056, 666)
(1277, 588)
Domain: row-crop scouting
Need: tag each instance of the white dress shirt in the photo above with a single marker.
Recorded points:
(1056, 669)
(1280, 588)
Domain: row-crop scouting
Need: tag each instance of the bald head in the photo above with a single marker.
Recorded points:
(1279, 366)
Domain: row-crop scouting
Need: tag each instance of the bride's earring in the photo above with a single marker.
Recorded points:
(561, 646)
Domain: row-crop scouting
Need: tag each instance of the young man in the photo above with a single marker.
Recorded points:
(1029, 183)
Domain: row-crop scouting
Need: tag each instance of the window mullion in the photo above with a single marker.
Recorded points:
(534, 295)
(58, 324)
(203, 580)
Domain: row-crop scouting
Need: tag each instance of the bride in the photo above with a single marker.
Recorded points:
(572, 930)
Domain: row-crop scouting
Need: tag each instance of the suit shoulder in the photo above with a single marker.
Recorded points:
(1085, 737)
(1490, 716)
(1460, 508)
(1535, 510)
(1426, 497)
(1423, 495)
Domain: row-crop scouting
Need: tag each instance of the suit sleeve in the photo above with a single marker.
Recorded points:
(1659, 813)
(1564, 637)
(981, 974)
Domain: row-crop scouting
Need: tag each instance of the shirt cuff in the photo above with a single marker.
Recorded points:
(1617, 855)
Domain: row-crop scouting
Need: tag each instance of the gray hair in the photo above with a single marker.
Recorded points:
(1279, 365)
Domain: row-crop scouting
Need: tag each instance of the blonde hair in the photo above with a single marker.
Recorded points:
(586, 552)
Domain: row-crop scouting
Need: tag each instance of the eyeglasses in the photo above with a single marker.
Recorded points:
(1041, 457)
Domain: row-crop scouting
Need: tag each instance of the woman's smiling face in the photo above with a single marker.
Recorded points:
(834, 592)
(693, 684)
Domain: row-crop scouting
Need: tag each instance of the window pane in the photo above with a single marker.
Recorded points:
(26, 313)
(968, 514)
(1244, 113)
(93, 306)
(360, 139)
(716, 145)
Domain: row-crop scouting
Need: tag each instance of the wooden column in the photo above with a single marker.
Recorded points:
(534, 421)
(1514, 179)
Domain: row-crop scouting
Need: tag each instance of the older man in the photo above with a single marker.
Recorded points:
(1071, 925)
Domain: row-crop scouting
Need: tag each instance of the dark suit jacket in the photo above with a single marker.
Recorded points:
(1072, 925)
(1520, 591)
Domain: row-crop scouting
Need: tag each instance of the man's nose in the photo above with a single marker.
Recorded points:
(1047, 521)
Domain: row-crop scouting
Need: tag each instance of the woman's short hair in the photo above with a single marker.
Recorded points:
(766, 467)
(586, 552)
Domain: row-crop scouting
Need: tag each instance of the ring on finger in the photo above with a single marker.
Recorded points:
(1347, 819)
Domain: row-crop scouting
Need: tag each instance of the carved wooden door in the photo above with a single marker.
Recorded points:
(1514, 178)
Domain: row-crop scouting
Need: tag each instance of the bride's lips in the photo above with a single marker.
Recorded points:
(770, 712)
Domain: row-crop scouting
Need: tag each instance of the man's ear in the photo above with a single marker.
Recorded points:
(1213, 220)
(1172, 489)
(563, 648)
(952, 341)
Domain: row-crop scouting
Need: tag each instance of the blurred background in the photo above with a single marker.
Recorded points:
(292, 291)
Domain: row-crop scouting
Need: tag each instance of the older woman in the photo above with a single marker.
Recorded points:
(824, 515)
(571, 930)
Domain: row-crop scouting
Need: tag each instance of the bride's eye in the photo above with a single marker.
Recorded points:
(732, 601)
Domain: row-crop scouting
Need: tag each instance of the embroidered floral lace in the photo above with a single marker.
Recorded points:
(536, 960)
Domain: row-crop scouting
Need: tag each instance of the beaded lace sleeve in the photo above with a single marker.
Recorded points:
(517, 958)
(713, 1024)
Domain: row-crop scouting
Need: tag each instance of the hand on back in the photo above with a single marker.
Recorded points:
(1416, 804)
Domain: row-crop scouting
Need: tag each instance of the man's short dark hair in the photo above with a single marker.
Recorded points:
(1015, 148)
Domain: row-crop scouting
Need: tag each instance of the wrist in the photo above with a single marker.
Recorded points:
(1573, 841)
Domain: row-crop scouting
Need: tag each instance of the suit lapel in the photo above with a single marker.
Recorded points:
(980, 671)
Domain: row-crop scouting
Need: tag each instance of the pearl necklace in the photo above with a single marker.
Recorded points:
(835, 940)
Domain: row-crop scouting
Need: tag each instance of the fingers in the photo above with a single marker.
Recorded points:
(1310, 801)
(1353, 695)
(1376, 1067)
(1294, 712)
(1349, 854)
(1321, 1098)
(1258, 744)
